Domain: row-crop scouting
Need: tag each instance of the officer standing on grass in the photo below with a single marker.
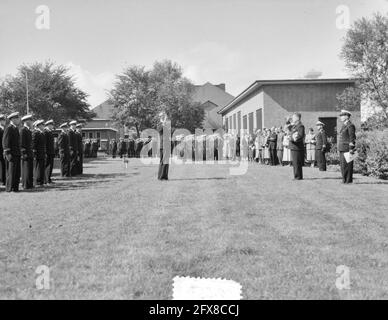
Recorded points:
(346, 143)
(296, 145)
(321, 146)
(39, 150)
(64, 150)
(2, 160)
(11, 147)
(27, 165)
(50, 151)
(73, 146)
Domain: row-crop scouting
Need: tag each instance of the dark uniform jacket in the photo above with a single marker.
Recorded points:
(321, 140)
(73, 142)
(11, 142)
(26, 143)
(1, 143)
(50, 146)
(39, 145)
(272, 139)
(80, 149)
(63, 144)
(298, 143)
(347, 137)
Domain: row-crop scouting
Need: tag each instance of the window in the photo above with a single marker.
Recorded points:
(235, 121)
(230, 123)
(245, 123)
(83, 135)
(98, 135)
(250, 120)
(239, 121)
(90, 135)
(259, 119)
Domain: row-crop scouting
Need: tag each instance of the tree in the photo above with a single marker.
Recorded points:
(349, 99)
(139, 95)
(51, 90)
(365, 52)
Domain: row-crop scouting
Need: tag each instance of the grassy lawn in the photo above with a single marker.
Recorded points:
(119, 233)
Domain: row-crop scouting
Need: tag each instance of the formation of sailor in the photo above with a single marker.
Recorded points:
(28, 149)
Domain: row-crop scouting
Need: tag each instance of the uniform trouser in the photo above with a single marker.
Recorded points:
(280, 156)
(321, 159)
(114, 154)
(73, 165)
(163, 166)
(27, 173)
(2, 170)
(272, 155)
(13, 174)
(49, 168)
(65, 165)
(81, 163)
(297, 158)
(346, 169)
(39, 171)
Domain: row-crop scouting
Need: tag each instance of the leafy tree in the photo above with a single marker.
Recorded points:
(349, 99)
(51, 90)
(365, 52)
(139, 95)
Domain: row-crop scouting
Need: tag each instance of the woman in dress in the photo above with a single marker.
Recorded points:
(310, 142)
(286, 143)
(164, 128)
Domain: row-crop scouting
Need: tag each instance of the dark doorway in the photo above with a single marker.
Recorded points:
(330, 127)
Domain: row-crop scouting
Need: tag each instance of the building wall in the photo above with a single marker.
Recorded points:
(247, 106)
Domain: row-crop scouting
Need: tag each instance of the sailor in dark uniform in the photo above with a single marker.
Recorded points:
(80, 159)
(165, 146)
(64, 151)
(2, 161)
(131, 147)
(11, 147)
(321, 146)
(50, 151)
(27, 165)
(73, 146)
(346, 143)
(114, 148)
(39, 150)
(296, 146)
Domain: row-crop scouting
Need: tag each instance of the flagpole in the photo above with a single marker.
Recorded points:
(28, 106)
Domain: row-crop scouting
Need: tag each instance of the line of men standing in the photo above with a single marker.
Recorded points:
(28, 152)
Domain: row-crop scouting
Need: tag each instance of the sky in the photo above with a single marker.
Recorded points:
(219, 41)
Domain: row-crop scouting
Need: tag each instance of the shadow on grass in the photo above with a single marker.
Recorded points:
(324, 178)
(374, 182)
(194, 179)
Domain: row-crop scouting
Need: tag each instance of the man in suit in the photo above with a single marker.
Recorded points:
(272, 140)
(2, 160)
(27, 165)
(114, 148)
(64, 151)
(321, 146)
(39, 150)
(346, 143)
(73, 147)
(80, 151)
(296, 145)
(50, 151)
(164, 129)
(11, 147)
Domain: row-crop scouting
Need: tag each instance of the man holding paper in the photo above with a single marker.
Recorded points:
(347, 146)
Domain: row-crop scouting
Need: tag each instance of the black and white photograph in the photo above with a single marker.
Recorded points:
(181, 150)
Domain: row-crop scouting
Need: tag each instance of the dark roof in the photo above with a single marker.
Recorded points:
(258, 83)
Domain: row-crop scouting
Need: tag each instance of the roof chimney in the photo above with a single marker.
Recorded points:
(221, 86)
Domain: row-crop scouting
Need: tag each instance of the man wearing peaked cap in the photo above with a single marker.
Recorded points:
(321, 146)
(50, 151)
(80, 149)
(27, 165)
(2, 161)
(39, 150)
(11, 147)
(346, 143)
(64, 151)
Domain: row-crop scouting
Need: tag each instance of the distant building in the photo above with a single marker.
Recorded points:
(267, 103)
(212, 98)
(100, 129)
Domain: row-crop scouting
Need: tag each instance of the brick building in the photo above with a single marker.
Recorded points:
(267, 103)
